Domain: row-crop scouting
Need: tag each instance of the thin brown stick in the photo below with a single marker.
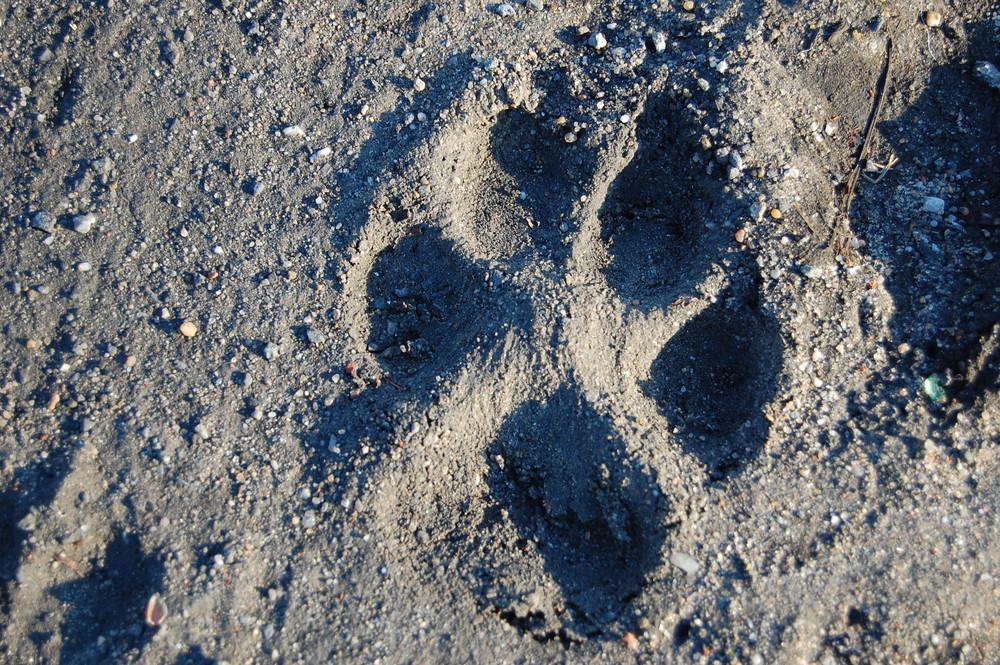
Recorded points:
(804, 218)
(852, 180)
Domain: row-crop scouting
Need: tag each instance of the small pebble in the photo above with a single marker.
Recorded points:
(271, 351)
(704, 84)
(83, 266)
(309, 519)
(293, 132)
(43, 221)
(934, 205)
(685, 562)
(314, 336)
(188, 329)
(84, 223)
(419, 85)
(933, 19)
(688, 5)
(534, 5)
(598, 41)
(504, 9)
(659, 42)
(741, 236)
(812, 272)
(320, 155)
(988, 74)
(775, 213)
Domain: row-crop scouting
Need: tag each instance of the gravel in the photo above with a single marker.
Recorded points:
(544, 343)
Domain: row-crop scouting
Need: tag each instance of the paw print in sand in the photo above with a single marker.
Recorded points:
(572, 330)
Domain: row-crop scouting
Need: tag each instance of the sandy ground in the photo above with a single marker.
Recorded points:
(556, 332)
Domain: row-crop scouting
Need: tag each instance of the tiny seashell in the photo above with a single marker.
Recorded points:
(156, 611)
(320, 155)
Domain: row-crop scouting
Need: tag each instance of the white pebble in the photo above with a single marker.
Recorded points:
(320, 155)
(934, 205)
(598, 41)
(83, 266)
(293, 132)
(685, 562)
(83, 223)
(504, 9)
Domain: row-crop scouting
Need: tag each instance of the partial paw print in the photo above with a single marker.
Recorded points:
(561, 475)
(590, 334)
(426, 307)
(94, 582)
(652, 221)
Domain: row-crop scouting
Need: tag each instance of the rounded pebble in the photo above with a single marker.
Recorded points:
(188, 329)
(933, 19)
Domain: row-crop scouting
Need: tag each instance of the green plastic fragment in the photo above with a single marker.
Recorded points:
(933, 389)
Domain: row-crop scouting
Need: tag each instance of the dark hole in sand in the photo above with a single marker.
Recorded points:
(713, 377)
(427, 306)
(653, 218)
(567, 485)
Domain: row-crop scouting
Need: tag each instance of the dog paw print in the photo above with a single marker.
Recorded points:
(568, 330)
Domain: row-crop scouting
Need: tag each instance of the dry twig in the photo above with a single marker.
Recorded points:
(852, 180)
